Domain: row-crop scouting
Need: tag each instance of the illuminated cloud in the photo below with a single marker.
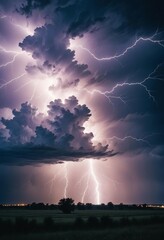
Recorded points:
(43, 65)
(37, 138)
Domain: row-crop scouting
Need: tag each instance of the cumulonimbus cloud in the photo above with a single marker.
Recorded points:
(32, 137)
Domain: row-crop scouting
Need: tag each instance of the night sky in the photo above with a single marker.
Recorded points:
(82, 101)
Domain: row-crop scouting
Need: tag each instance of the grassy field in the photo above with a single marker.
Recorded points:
(151, 232)
(139, 231)
(58, 216)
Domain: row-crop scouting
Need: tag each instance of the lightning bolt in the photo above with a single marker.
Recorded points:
(24, 29)
(106, 94)
(66, 179)
(95, 180)
(132, 138)
(90, 175)
(23, 85)
(148, 39)
(86, 188)
(109, 96)
(3, 16)
(16, 54)
(34, 91)
(58, 173)
(12, 80)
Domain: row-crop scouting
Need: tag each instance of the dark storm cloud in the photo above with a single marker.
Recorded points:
(28, 6)
(122, 21)
(69, 19)
(81, 15)
(28, 137)
(34, 138)
(144, 15)
(39, 155)
(77, 17)
(138, 133)
(49, 44)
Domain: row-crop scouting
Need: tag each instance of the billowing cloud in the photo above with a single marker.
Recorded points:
(58, 135)
(49, 44)
(60, 45)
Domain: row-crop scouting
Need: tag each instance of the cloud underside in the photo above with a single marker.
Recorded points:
(59, 135)
(38, 155)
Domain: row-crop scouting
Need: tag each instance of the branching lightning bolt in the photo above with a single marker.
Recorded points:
(131, 138)
(108, 94)
(148, 39)
(16, 54)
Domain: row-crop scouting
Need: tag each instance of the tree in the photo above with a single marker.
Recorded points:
(66, 205)
(110, 205)
(80, 206)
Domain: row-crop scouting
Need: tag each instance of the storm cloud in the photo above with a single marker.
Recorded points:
(57, 135)
(83, 80)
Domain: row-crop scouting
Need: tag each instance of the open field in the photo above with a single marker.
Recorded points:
(125, 225)
(58, 216)
(151, 232)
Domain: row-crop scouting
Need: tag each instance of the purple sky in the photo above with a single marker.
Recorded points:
(81, 101)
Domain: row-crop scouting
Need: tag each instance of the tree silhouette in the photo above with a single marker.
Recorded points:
(66, 205)
(80, 206)
(110, 205)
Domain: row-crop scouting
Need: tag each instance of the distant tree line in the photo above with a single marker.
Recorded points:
(67, 205)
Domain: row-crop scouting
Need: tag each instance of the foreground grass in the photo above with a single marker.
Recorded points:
(58, 216)
(122, 225)
(149, 232)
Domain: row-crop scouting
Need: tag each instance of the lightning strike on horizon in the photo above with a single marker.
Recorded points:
(86, 188)
(149, 39)
(52, 181)
(96, 181)
(66, 179)
(81, 179)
